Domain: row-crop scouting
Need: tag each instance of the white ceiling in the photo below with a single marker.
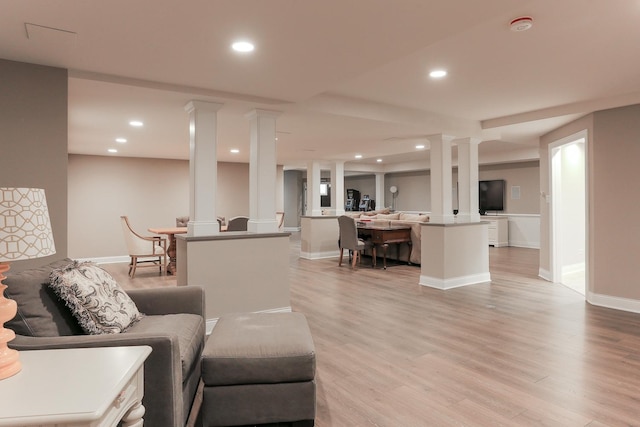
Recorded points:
(349, 76)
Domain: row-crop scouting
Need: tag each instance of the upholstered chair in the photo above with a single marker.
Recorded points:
(349, 239)
(144, 251)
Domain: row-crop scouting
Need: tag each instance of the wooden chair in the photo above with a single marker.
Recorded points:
(144, 251)
(349, 240)
(280, 219)
(238, 223)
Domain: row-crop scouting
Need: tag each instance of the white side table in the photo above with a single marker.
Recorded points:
(76, 387)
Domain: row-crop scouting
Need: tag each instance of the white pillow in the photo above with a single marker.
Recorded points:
(99, 304)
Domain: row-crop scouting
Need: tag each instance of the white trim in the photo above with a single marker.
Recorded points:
(553, 201)
(544, 274)
(617, 303)
(455, 282)
(573, 268)
(291, 229)
(319, 255)
(211, 323)
(107, 259)
(524, 244)
(517, 215)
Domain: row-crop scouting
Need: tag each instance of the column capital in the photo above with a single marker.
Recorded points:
(202, 105)
(468, 140)
(257, 112)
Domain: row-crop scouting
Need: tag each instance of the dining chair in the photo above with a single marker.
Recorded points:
(280, 219)
(237, 223)
(349, 240)
(145, 251)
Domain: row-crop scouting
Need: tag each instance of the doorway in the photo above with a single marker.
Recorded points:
(568, 211)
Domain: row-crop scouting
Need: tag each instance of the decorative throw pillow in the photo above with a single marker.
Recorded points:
(99, 304)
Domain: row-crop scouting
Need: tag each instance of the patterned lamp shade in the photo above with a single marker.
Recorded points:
(25, 228)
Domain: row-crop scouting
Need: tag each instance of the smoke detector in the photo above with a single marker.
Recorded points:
(521, 24)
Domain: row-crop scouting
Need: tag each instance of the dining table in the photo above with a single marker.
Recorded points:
(170, 232)
(383, 236)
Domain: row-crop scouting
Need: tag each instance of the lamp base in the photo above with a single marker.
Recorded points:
(9, 358)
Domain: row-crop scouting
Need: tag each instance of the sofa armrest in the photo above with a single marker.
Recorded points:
(162, 369)
(169, 300)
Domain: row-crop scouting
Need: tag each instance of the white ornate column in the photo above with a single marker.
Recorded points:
(262, 172)
(313, 189)
(468, 180)
(203, 167)
(337, 187)
(380, 203)
(441, 179)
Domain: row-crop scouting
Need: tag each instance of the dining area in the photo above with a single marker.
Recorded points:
(238, 223)
(161, 249)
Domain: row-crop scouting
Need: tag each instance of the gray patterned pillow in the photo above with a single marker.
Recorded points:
(95, 299)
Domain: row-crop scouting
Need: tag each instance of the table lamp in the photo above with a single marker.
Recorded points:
(25, 233)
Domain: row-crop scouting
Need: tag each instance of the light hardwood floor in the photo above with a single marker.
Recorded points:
(518, 351)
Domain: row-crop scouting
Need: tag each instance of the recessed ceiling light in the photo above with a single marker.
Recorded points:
(234, 150)
(438, 74)
(358, 156)
(379, 160)
(243, 46)
(112, 150)
(419, 146)
(121, 140)
(136, 123)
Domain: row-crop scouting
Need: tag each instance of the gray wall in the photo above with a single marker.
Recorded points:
(613, 199)
(151, 192)
(33, 140)
(414, 188)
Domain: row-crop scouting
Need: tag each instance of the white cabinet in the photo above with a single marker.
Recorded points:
(498, 230)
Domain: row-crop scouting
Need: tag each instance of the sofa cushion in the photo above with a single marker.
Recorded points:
(389, 216)
(188, 328)
(40, 312)
(95, 298)
(414, 217)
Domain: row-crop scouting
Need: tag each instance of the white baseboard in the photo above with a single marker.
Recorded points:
(617, 303)
(211, 323)
(291, 229)
(524, 244)
(107, 259)
(456, 282)
(544, 274)
(319, 255)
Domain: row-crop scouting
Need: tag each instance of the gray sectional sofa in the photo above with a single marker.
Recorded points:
(173, 325)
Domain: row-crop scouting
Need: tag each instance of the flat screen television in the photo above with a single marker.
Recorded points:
(491, 195)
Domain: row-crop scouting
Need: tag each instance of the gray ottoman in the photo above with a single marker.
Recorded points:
(259, 368)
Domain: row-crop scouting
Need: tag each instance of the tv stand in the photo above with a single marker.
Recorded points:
(498, 230)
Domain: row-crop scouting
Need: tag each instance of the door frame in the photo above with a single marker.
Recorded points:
(555, 206)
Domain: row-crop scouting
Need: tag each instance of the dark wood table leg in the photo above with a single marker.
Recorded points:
(384, 255)
(171, 252)
(374, 256)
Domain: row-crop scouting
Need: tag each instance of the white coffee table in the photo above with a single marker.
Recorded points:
(76, 387)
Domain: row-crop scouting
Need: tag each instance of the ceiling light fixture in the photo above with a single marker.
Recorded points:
(437, 74)
(112, 150)
(420, 147)
(243, 46)
(234, 150)
(358, 156)
(121, 140)
(136, 123)
(521, 24)
(379, 160)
